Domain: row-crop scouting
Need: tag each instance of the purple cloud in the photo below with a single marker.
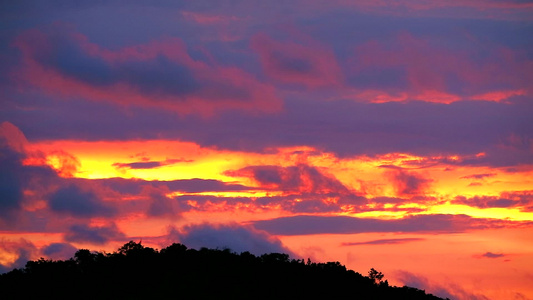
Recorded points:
(384, 242)
(381, 128)
(235, 237)
(93, 234)
(159, 74)
(59, 251)
(294, 179)
(149, 164)
(77, 202)
(508, 199)
(478, 176)
(492, 255)
(302, 224)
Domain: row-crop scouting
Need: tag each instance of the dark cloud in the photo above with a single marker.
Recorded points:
(159, 74)
(492, 255)
(77, 202)
(149, 164)
(15, 176)
(384, 242)
(235, 237)
(68, 55)
(478, 176)
(159, 204)
(59, 251)
(507, 199)
(302, 224)
(203, 185)
(409, 183)
(93, 234)
(11, 182)
(196, 185)
(302, 62)
(138, 165)
(345, 128)
(295, 179)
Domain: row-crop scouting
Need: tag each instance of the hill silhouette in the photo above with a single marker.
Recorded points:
(176, 272)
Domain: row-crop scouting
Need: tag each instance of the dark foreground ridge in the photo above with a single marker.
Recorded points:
(175, 272)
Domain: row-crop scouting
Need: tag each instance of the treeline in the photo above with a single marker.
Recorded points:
(176, 272)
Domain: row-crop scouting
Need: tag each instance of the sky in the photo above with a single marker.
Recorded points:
(395, 135)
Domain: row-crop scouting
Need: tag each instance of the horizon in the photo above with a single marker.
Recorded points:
(393, 135)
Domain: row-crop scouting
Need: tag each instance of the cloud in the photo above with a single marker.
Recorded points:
(491, 9)
(12, 137)
(408, 183)
(443, 290)
(12, 144)
(149, 164)
(208, 19)
(309, 64)
(384, 242)
(77, 202)
(159, 204)
(160, 74)
(59, 251)
(11, 183)
(65, 164)
(325, 125)
(23, 249)
(521, 199)
(409, 67)
(233, 236)
(16, 177)
(206, 202)
(303, 224)
(294, 179)
(490, 255)
(195, 185)
(306, 203)
(93, 234)
(478, 176)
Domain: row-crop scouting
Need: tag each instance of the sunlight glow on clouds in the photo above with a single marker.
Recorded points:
(387, 134)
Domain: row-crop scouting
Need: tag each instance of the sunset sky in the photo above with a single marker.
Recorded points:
(395, 135)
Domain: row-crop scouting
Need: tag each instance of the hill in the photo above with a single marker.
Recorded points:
(176, 272)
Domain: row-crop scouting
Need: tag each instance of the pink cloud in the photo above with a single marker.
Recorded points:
(159, 74)
(413, 68)
(306, 63)
(498, 96)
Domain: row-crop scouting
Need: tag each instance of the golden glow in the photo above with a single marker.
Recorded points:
(244, 194)
(367, 176)
(381, 214)
(495, 213)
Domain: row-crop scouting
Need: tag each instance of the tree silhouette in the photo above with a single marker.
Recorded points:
(375, 275)
(138, 272)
